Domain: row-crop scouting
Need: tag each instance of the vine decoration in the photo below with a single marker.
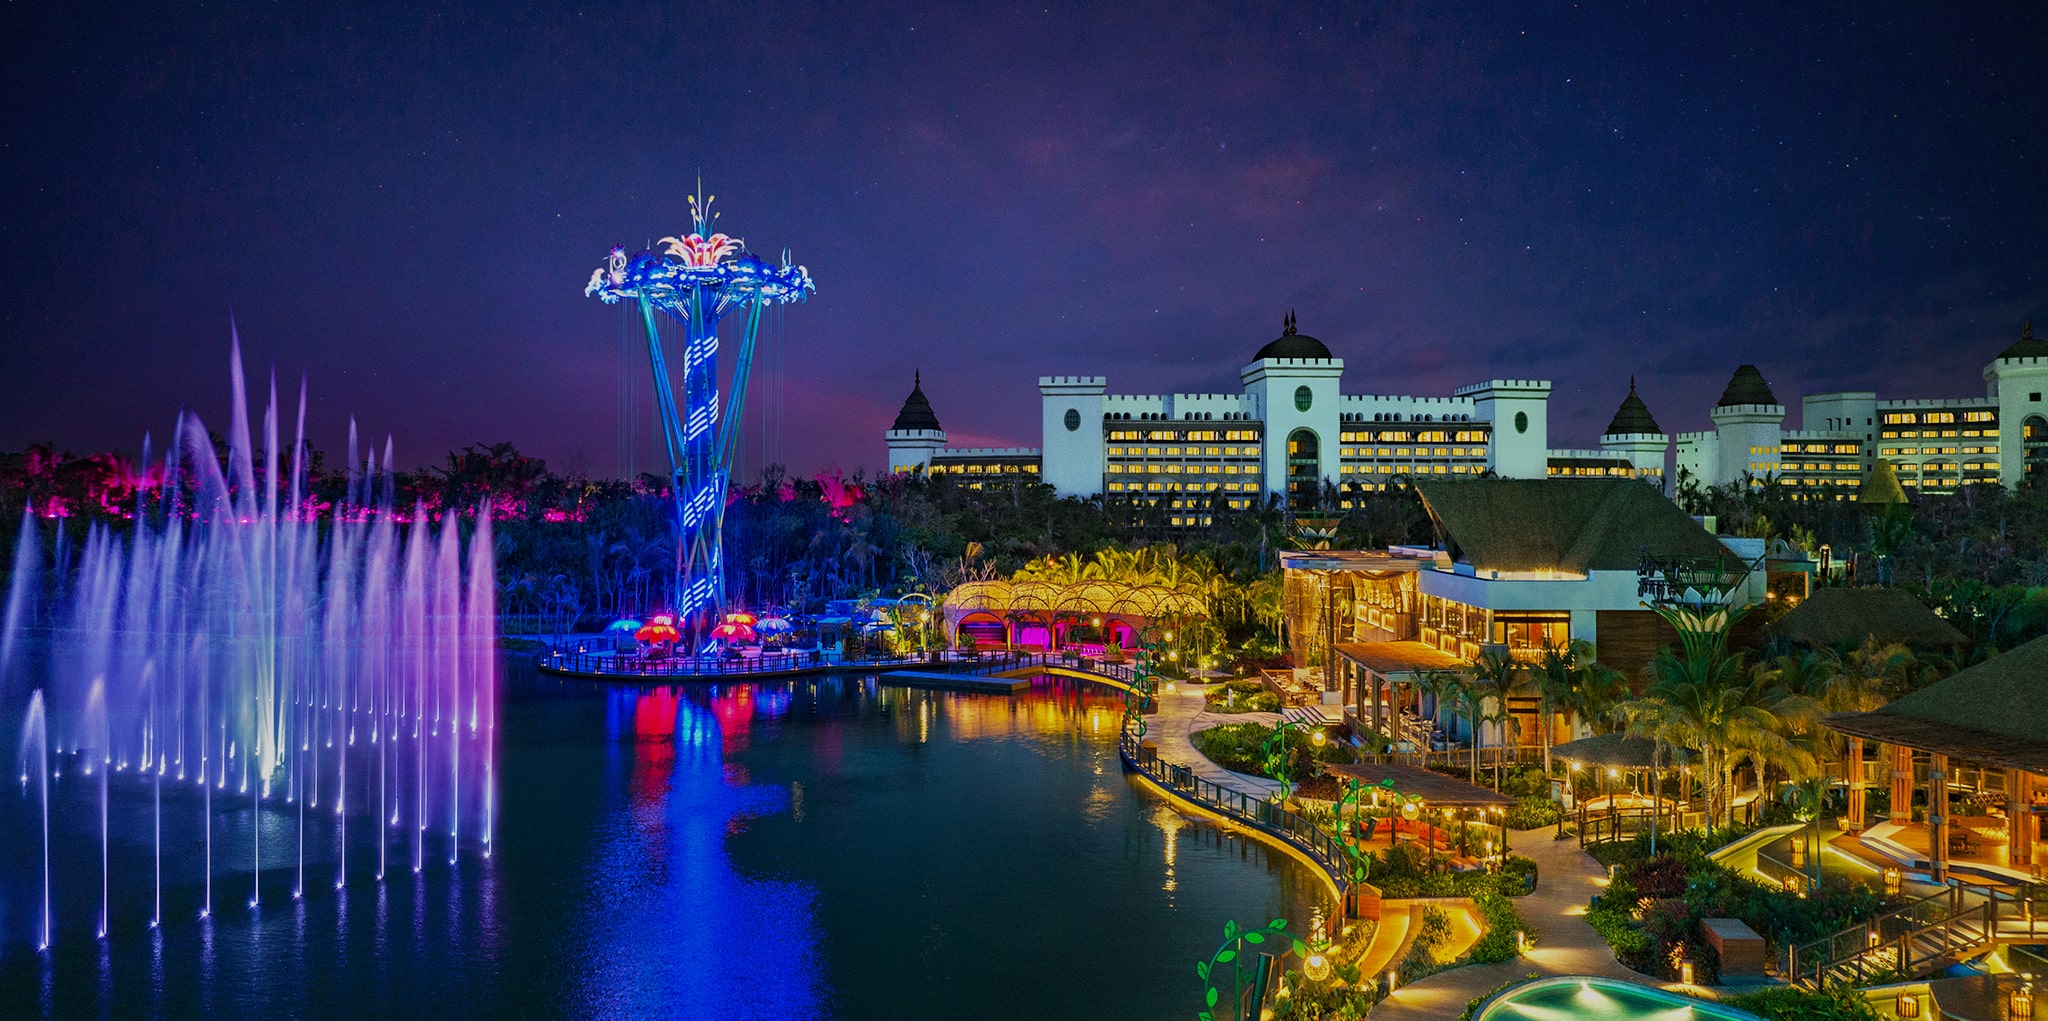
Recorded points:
(1230, 958)
(1144, 682)
(1279, 763)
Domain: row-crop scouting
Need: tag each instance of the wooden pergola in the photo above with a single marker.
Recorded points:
(1434, 790)
(1993, 716)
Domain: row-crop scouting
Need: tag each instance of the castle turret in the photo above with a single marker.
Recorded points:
(915, 436)
(2018, 380)
(1750, 423)
(1634, 433)
(1292, 382)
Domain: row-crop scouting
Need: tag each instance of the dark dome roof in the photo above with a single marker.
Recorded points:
(1748, 387)
(1292, 345)
(917, 411)
(1633, 417)
(2028, 346)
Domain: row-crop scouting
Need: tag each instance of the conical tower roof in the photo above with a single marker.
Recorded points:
(2028, 346)
(1747, 387)
(1633, 418)
(1881, 486)
(917, 411)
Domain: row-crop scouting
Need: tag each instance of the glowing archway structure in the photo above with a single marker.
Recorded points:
(697, 280)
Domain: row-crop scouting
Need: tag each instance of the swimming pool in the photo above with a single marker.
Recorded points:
(1586, 998)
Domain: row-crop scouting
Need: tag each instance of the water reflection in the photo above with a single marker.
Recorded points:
(666, 909)
(838, 849)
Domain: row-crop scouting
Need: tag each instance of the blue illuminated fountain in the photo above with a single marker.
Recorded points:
(305, 667)
(697, 280)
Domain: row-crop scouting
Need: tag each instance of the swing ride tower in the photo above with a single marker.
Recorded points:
(696, 281)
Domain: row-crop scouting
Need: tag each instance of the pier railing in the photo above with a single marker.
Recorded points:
(1259, 813)
(698, 667)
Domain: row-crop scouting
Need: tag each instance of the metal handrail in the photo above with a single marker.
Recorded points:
(690, 666)
(1263, 814)
(1908, 938)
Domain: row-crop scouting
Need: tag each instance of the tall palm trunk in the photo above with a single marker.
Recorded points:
(1727, 775)
(1474, 703)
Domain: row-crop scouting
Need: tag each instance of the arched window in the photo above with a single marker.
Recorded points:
(2034, 445)
(1304, 469)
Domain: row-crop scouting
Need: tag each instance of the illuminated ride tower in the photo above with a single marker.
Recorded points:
(697, 280)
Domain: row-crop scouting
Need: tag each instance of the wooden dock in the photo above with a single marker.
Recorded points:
(959, 682)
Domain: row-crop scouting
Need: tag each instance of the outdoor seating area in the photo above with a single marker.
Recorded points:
(1420, 807)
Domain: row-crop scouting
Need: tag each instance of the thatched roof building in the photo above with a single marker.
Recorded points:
(1610, 750)
(1994, 713)
(1852, 616)
(1565, 525)
(1432, 787)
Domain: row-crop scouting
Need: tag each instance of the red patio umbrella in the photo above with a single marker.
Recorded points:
(733, 632)
(655, 634)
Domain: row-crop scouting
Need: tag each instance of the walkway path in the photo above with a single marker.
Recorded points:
(1182, 713)
(1567, 879)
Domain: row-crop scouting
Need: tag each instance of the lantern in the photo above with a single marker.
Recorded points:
(2020, 1005)
(1315, 966)
(1892, 881)
(1907, 1005)
(1685, 972)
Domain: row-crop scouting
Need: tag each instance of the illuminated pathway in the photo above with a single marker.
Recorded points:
(1181, 713)
(1567, 880)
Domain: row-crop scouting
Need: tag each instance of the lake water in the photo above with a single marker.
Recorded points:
(835, 848)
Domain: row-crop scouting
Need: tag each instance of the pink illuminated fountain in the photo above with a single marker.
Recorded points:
(321, 664)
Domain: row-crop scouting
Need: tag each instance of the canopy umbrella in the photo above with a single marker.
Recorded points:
(663, 619)
(742, 617)
(655, 634)
(623, 624)
(732, 632)
(773, 626)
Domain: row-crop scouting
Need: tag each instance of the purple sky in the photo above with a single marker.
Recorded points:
(403, 204)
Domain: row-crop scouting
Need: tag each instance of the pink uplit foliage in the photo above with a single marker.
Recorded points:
(838, 492)
(61, 485)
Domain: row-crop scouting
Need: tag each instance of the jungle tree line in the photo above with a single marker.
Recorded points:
(571, 547)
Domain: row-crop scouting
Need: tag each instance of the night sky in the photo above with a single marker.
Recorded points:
(403, 204)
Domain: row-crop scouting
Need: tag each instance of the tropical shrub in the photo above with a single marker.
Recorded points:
(1835, 1003)
(1241, 748)
(1534, 811)
(1406, 870)
(1242, 697)
(1502, 923)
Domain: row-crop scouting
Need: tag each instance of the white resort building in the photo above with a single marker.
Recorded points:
(1935, 445)
(1289, 432)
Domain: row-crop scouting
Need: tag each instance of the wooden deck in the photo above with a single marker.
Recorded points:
(1977, 843)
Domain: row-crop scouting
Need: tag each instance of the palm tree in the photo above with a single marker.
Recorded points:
(1555, 681)
(1732, 717)
(1597, 693)
(1492, 675)
(1438, 685)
